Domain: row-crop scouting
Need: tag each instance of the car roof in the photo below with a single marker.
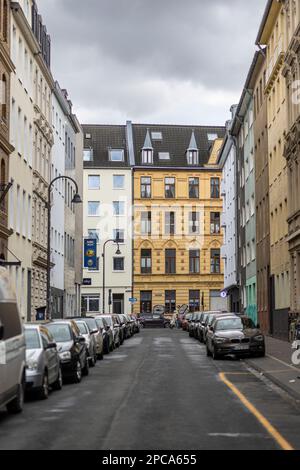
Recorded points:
(32, 326)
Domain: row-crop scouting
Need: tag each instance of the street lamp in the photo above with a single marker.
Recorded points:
(118, 252)
(76, 200)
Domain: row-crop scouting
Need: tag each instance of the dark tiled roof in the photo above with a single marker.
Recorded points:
(103, 138)
(175, 140)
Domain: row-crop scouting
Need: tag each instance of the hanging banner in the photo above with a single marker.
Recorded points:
(90, 253)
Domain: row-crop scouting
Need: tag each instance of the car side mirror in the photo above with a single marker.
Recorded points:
(94, 332)
(81, 340)
(1, 332)
(258, 326)
(52, 346)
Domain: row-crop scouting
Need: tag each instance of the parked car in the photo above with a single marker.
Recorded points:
(201, 326)
(12, 348)
(193, 324)
(208, 322)
(113, 332)
(122, 326)
(234, 335)
(136, 324)
(71, 348)
(94, 330)
(185, 320)
(90, 341)
(128, 328)
(43, 369)
(151, 320)
(104, 330)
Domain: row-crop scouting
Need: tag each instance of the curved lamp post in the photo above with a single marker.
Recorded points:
(118, 252)
(76, 200)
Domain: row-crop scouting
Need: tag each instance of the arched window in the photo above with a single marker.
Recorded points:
(5, 21)
(4, 98)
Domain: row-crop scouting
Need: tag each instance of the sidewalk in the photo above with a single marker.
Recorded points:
(277, 366)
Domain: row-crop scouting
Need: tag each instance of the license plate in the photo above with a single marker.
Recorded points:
(241, 347)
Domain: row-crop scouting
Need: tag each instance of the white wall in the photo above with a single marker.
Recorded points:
(106, 222)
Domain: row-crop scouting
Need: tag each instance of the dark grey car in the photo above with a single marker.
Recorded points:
(234, 335)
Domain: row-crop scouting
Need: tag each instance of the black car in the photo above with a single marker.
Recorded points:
(104, 331)
(71, 347)
(151, 320)
(122, 327)
(234, 335)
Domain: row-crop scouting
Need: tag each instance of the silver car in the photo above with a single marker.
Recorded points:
(43, 369)
(90, 341)
(12, 348)
(94, 330)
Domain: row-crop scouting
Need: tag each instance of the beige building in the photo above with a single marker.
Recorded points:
(272, 35)
(291, 72)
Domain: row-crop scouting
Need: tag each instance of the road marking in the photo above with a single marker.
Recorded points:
(281, 441)
(284, 363)
(236, 435)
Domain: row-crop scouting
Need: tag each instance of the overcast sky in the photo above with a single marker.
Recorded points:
(152, 61)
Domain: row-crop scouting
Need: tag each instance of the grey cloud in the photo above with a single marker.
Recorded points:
(119, 55)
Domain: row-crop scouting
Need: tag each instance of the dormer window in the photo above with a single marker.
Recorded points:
(147, 156)
(193, 157)
(116, 155)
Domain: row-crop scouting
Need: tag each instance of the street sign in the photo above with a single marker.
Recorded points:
(87, 281)
(90, 253)
(133, 300)
(223, 294)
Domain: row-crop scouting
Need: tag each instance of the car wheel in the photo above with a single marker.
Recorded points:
(44, 391)
(16, 405)
(58, 384)
(208, 353)
(78, 373)
(262, 354)
(92, 362)
(100, 356)
(86, 368)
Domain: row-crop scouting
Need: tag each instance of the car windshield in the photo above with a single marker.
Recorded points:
(109, 321)
(61, 333)
(91, 323)
(99, 322)
(229, 324)
(82, 328)
(32, 339)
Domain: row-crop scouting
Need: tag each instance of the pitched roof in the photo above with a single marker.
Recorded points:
(176, 140)
(103, 138)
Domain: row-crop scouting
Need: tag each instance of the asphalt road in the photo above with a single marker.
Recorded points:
(158, 391)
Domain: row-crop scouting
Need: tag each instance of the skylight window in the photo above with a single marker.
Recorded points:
(156, 135)
(88, 136)
(88, 155)
(116, 155)
(164, 156)
(212, 137)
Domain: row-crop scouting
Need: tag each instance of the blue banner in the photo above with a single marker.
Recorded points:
(90, 253)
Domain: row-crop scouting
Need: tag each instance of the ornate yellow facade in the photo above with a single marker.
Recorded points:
(195, 239)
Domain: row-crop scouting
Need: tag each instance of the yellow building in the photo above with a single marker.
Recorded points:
(177, 209)
(272, 34)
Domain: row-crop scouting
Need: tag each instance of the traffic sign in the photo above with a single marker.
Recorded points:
(133, 300)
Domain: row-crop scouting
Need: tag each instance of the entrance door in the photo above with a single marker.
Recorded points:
(118, 303)
(146, 302)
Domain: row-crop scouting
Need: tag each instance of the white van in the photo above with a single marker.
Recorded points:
(12, 348)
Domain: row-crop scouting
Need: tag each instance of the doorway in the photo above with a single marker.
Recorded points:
(118, 303)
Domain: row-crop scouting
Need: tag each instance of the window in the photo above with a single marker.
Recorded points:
(145, 187)
(194, 300)
(116, 155)
(194, 188)
(4, 98)
(146, 261)
(118, 264)
(94, 209)
(194, 223)
(215, 188)
(194, 261)
(119, 234)
(170, 223)
(170, 188)
(94, 182)
(215, 222)
(94, 233)
(164, 156)
(212, 137)
(91, 303)
(170, 261)
(215, 262)
(119, 208)
(156, 136)
(146, 302)
(170, 301)
(147, 156)
(119, 181)
(193, 157)
(146, 223)
(88, 155)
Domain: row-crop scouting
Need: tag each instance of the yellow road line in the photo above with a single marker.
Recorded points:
(281, 441)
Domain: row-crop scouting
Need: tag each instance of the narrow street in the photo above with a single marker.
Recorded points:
(158, 391)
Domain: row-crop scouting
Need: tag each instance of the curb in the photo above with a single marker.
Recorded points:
(285, 388)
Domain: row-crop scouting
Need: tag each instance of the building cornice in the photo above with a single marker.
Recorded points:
(5, 58)
(5, 145)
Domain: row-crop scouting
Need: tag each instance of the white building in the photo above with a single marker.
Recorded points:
(227, 160)
(107, 216)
